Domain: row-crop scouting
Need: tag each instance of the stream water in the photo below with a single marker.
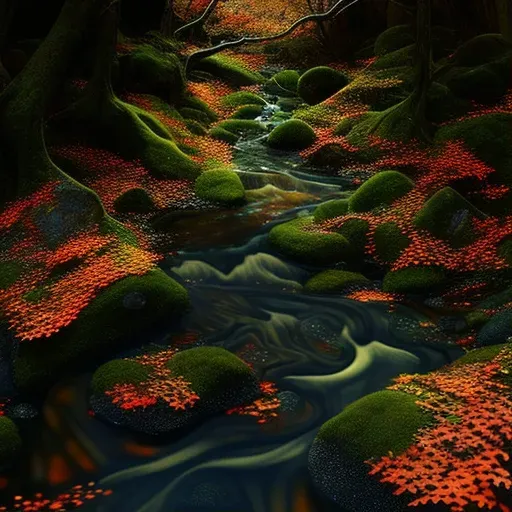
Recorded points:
(323, 352)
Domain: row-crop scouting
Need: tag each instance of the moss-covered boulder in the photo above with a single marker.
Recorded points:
(229, 69)
(293, 241)
(148, 70)
(496, 330)
(393, 39)
(320, 83)
(135, 200)
(345, 125)
(248, 112)
(380, 190)
(334, 281)
(118, 314)
(207, 380)
(241, 98)
(481, 49)
(199, 104)
(242, 126)
(443, 104)
(330, 209)
(504, 251)
(356, 232)
(376, 425)
(221, 186)
(448, 215)
(291, 135)
(396, 59)
(195, 114)
(10, 270)
(415, 280)
(284, 83)
(223, 135)
(331, 156)
(389, 241)
(10, 442)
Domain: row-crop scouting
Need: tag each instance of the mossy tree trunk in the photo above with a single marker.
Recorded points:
(24, 103)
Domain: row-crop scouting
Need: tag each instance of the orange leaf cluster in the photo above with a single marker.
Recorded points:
(265, 408)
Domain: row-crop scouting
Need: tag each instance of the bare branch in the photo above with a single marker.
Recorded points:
(202, 19)
(334, 11)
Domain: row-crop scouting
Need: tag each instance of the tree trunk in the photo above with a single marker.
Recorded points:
(167, 24)
(24, 103)
(504, 11)
(7, 8)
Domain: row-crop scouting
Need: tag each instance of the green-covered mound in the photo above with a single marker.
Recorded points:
(393, 39)
(248, 112)
(135, 200)
(118, 314)
(221, 186)
(291, 135)
(380, 190)
(481, 49)
(320, 83)
(169, 390)
(229, 69)
(224, 135)
(415, 280)
(389, 242)
(10, 442)
(374, 426)
(284, 83)
(291, 240)
(330, 209)
(334, 281)
(241, 98)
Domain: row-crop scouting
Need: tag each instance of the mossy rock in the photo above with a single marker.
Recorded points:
(195, 115)
(390, 241)
(135, 200)
(10, 442)
(331, 156)
(330, 209)
(221, 186)
(196, 127)
(214, 373)
(291, 240)
(291, 135)
(118, 371)
(445, 215)
(149, 70)
(320, 83)
(334, 281)
(382, 189)
(416, 280)
(443, 104)
(242, 126)
(487, 137)
(356, 232)
(229, 70)
(476, 318)
(505, 251)
(345, 125)
(248, 112)
(480, 355)
(284, 83)
(10, 271)
(199, 104)
(223, 135)
(393, 39)
(120, 312)
(242, 98)
(482, 84)
(398, 58)
(481, 49)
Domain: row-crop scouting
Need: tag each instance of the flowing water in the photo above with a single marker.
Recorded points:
(323, 352)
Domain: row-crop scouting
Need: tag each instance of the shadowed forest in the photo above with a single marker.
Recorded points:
(256, 256)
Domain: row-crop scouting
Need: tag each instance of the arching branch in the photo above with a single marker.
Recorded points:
(334, 11)
(199, 21)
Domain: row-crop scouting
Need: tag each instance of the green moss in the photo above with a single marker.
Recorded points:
(443, 105)
(284, 83)
(291, 135)
(332, 156)
(36, 295)
(393, 39)
(212, 371)
(241, 126)
(480, 355)
(10, 442)
(356, 232)
(402, 57)
(229, 69)
(488, 137)
(248, 112)
(224, 135)
(9, 273)
(199, 104)
(482, 84)
(104, 325)
(320, 83)
(109, 225)
(390, 241)
(220, 185)
(118, 371)
(330, 209)
(345, 125)
(195, 127)
(481, 49)
(241, 98)
(477, 318)
(414, 280)
(150, 70)
(380, 190)
(291, 240)
(195, 115)
(334, 281)
(135, 200)
(440, 216)
(505, 251)
(375, 425)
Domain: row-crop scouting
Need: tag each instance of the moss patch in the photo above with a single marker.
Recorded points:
(380, 190)
(320, 83)
(9, 273)
(480, 355)
(481, 49)
(375, 425)
(390, 242)
(330, 209)
(229, 69)
(414, 280)
(118, 371)
(224, 135)
(291, 135)
(10, 441)
(356, 232)
(241, 98)
(220, 185)
(248, 112)
(284, 83)
(482, 84)
(334, 281)
(135, 200)
(393, 39)
(312, 248)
